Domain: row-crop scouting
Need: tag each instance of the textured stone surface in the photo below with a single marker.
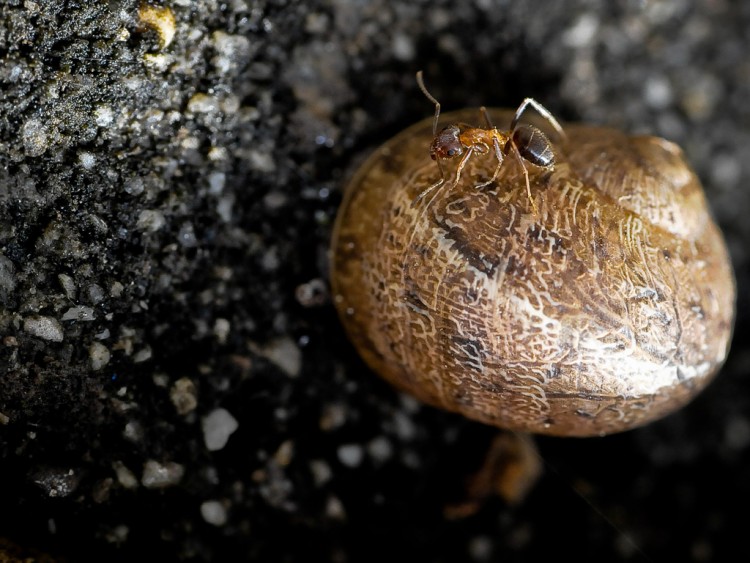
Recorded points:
(177, 196)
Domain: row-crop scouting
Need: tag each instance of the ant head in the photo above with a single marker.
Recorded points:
(447, 143)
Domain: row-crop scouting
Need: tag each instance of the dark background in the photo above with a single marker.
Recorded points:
(236, 139)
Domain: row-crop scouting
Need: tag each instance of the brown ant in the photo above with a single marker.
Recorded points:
(524, 142)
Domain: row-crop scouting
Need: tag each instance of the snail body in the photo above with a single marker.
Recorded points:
(595, 299)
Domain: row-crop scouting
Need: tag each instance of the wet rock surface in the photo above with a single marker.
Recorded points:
(172, 375)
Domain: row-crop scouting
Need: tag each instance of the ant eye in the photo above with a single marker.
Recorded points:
(451, 152)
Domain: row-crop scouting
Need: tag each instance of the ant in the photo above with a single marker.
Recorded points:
(524, 142)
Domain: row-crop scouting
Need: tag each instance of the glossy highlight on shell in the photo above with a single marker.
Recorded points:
(604, 302)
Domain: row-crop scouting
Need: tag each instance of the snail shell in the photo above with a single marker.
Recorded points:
(605, 305)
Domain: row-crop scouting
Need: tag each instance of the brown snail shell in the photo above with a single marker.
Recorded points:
(607, 304)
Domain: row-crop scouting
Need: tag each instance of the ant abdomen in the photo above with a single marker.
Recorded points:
(533, 145)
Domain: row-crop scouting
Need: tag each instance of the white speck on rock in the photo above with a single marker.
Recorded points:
(261, 161)
(103, 116)
(737, 433)
(87, 160)
(350, 454)
(118, 535)
(657, 92)
(150, 220)
(232, 51)
(184, 396)
(335, 509)
(221, 330)
(214, 512)
(98, 355)
(7, 274)
(125, 477)
(34, 137)
(161, 475)
(202, 103)
(380, 449)
(142, 355)
(218, 426)
(79, 313)
(582, 32)
(134, 186)
(285, 354)
(68, 285)
(216, 182)
(402, 46)
(186, 236)
(45, 328)
(321, 471)
(224, 207)
(333, 416)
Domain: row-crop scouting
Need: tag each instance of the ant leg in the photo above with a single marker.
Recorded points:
(541, 110)
(426, 191)
(500, 158)
(461, 165)
(525, 175)
(433, 186)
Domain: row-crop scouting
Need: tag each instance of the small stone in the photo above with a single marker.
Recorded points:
(150, 220)
(87, 160)
(7, 275)
(79, 313)
(333, 416)
(350, 454)
(161, 475)
(312, 293)
(216, 182)
(202, 103)
(34, 137)
(125, 477)
(118, 535)
(68, 285)
(186, 236)
(261, 161)
(142, 355)
(218, 426)
(321, 471)
(335, 509)
(99, 355)
(214, 512)
(184, 396)
(403, 47)
(161, 20)
(284, 453)
(221, 330)
(57, 482)
(232, 51)
(103, 116)
(285, 353)
(101, 490)
(380, 449)
(45, 328)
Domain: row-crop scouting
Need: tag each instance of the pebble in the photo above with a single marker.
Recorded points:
(218, 426)
(161, 475)
(45, 328)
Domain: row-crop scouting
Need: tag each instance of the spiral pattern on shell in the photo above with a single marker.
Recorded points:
(606, 304)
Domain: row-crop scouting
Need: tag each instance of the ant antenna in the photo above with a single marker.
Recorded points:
(420, 83)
